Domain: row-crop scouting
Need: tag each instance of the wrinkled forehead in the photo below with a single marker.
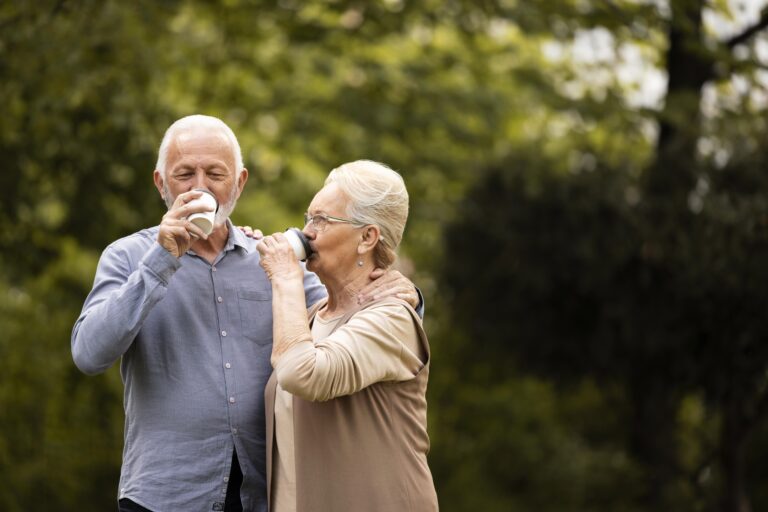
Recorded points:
(202, 141)
(202, 138)
(330, 199)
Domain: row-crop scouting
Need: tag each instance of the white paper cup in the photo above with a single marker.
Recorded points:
(204, 220)
(299, 242)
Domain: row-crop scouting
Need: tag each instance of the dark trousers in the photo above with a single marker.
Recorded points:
(231, 502)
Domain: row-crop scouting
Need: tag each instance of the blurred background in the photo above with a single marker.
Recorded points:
(589, 223)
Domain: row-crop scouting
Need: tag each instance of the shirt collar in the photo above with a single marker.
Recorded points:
(237, 238)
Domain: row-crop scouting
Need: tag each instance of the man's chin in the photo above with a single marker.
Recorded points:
(220, 220)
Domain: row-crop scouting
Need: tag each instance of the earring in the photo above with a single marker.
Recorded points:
(359, 263)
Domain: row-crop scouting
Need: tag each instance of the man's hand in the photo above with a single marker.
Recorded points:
(389, 283)
(176, 232)
(248, 231)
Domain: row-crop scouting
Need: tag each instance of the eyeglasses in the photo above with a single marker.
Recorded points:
(320, 221)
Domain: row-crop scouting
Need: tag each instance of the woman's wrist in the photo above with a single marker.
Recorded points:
(288, 279)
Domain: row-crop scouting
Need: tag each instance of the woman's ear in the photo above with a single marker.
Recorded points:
(369, 238)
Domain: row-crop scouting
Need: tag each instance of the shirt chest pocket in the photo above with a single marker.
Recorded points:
(256, 315)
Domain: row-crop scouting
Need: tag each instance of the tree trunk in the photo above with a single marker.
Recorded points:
(689, 67)
(652, 440)
(732, 442)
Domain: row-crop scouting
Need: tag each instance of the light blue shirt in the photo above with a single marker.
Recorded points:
(195, 341)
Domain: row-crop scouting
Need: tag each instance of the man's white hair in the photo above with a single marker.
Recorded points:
(198, 121)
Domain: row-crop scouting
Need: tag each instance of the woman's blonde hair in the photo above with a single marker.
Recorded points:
(377, 195)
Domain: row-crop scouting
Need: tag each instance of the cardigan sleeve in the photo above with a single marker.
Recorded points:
(376, 345)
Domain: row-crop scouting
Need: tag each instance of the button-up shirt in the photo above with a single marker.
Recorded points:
(195, 340)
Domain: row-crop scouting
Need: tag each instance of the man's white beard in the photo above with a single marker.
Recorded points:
(221, 215)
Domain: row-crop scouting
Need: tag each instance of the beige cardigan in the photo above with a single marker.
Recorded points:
(365, 451)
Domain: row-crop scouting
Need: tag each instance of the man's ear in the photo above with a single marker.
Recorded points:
(158, 179)
(241, 179)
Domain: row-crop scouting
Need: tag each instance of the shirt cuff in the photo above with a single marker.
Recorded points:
(161, 262)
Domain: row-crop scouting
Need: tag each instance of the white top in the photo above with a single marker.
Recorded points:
(377, 344)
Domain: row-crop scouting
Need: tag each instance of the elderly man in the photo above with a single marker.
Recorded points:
(190, 315)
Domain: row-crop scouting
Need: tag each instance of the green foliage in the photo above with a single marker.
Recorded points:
(59, 430)
(504, 443)
(650, 282)
(568, 307)
(80, 131)
(586, 288)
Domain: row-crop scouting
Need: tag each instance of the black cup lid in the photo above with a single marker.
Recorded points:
(304, 241)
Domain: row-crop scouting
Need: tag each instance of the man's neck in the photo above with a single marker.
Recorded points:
(210, 249)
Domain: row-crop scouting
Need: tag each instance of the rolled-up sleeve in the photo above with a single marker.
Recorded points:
(117, 305)
(372, 347)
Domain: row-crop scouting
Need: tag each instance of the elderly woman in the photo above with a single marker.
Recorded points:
(346, 405)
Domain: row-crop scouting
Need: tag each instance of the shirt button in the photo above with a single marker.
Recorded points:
(223, 333)
(227, 366)
(226, 479)
(213, 269)
(234, 431)
(231, 399)
(219, 299)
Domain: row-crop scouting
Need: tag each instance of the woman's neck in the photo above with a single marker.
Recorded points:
(342, 292)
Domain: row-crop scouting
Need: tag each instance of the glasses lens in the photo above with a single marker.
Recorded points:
(320, 222)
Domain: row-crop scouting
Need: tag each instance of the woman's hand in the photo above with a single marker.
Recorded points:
(278, 259)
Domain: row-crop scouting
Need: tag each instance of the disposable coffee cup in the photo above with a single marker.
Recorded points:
(204, 220)
(299, 243)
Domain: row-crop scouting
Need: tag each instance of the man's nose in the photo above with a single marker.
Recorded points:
(199, 180)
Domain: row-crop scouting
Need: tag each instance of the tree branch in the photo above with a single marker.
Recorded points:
(761, 409)
(10, 21)
(750, 31)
